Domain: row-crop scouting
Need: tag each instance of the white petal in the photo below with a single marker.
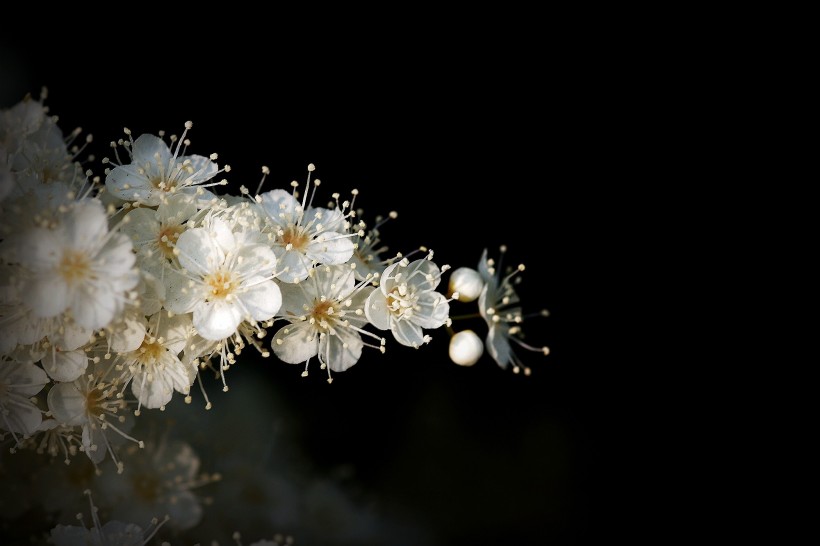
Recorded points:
(216, 319)
(128, 183)
(199, 252)
(23, 418)
(94, 437)
(65, 365)
(142, 227)
(280, 206)
(294, 298)
(335, 281)
(67, 404)
(175, 330)
(151, 149)
(376, 311)
(222, 235)
(40, 249)
(176, 209)
(94, 308)
(330, 248)
(498, 344)
(387, 280)
(182, 294)
(154, 393)
(407, 333)
(47, 297)
(263, 300)
(203, 168)
(434, 310)
(299, 342)
(73, 336)
(341, 351)
(483, 268)
(295, 266)
(128, 333)
(86, 225)
(422, 273)
(330, 219)
(115, 262)
(23, 378)
(257, 260)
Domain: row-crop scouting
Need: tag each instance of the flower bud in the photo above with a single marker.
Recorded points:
(466, 348)
(467, 282)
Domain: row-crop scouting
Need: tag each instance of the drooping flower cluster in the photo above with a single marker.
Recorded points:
(120, 290)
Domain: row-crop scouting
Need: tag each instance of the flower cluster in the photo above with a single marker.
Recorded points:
(120, 290)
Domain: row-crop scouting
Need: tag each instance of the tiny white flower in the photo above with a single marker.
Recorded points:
(369, 248)
(155, 232)
(160, 479)
(81, 267)
(499, 305)
(156, 171)
(19, 381)
(227, 278)
(155, 369)
(304, 236)
(90, 403)
(406, 301)
(112, 533)
(326, 320)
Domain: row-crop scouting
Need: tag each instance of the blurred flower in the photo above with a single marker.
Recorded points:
(19, 381)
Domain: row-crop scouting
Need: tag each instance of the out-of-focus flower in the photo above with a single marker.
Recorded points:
(499, 306)
(406, 301)
(19, 381)
(81, 267)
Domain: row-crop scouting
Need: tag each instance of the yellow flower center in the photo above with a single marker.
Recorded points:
(74, 266)
(221, 284)
(296, 237)
(167, 238)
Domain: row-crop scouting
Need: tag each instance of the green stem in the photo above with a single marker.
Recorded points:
(464, 317)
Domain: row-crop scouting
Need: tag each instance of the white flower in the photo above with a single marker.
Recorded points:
(90, 402)
(155, 232)
(19, 381)
(227, 278)
(304, 237)
(160, 480)
(156, 171)
(81, 267)
(112, 533)
(326, 319)
(406, 301)
(155, 369)
(499, 306)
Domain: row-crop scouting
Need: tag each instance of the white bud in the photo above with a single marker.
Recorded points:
(467, 282)
(466, 348)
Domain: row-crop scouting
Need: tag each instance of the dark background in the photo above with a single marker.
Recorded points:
(473, 151)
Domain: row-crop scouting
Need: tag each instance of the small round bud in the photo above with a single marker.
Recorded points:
(467, 283)
(466, 348)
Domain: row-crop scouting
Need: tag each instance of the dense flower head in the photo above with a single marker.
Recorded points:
(119, 292)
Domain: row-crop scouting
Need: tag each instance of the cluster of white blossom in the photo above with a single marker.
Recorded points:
(119, 290)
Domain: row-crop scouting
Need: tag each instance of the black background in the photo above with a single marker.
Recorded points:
(473, 150)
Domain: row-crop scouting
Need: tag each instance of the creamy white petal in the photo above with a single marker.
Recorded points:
(23, 378)
(128, 183)
(173, 330)
(330, 248)
(94, 443)
(128, 333)
(47, 297)
(263, 300)
(498, 344)
(280, 206)
(73, 336)
(67, 404)
(152, 150)
(434, 310)
(341, 351)
(294, 266)
(376, 311)
(199, 252)
(94, 308)
(86, 225)
(176, 209)
(423, 274)
(216, 319)
(407, 333)
(299, 343)
(202, 168)
(182, 295)
(65, 365)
